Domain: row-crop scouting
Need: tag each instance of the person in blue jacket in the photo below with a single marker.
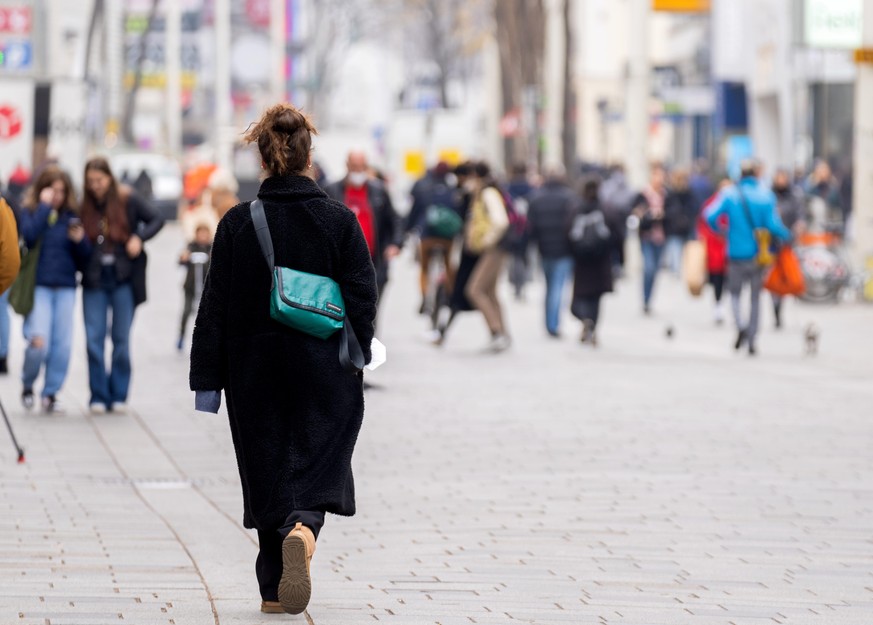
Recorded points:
(749, 205)
(49, 217)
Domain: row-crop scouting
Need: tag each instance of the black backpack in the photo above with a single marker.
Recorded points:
(589, 235)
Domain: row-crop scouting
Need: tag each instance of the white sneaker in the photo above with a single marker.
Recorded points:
(719, 314)
(120, 408)
(499, 343)
(50, 405)
(97, 408)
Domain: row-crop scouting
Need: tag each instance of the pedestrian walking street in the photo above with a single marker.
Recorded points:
(655, 480)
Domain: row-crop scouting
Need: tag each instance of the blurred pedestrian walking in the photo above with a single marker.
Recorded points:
(551, 209)
(649, 208)
(458, 301)
(716, 251)
(368, 199)
(435, 219)
(680, 217)
(117, 222)
(519, 189)
(751, 213)
(616, 202)
(51, 228)
(295, 412)
(821, 185)
(486, 225)
(590, 243)
(791, 206)
(195, 259)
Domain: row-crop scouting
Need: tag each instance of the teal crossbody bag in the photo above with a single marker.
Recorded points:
(309, 303)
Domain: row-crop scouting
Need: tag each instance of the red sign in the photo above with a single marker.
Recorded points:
(10, 121)
(15, 20)
(258, 12)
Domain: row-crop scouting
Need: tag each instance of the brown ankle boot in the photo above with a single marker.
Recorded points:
(295, 586)
(272, 607)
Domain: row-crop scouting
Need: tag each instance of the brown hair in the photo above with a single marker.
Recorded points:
(284, 138)
(118, 229)
(47, 178)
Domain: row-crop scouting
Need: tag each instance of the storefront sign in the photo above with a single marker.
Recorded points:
(864, 55)
(833, 23)
(15, 20)
(681, 6)
(16, 125)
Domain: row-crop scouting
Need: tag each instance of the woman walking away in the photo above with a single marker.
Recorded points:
(488, 221)
(649, 207)
(294, 411)
(791, 205)
(49, 220)
(590, 241)
(117, 222)
(680, 212)
(716, 252)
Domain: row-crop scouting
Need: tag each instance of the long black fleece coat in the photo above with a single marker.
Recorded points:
(294, 412)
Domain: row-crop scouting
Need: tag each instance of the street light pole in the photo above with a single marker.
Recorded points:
(278, 19)
(862, 218)
(637, 97)
(223, 109)
(173, 92)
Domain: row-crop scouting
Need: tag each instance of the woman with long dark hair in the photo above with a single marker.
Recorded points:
(50, 221)
(117, 222)
(294, 411)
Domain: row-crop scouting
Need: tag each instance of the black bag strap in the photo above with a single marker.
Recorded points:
(262, 230)
(351, 356)
(746, 209)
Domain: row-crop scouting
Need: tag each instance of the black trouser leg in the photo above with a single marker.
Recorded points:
(187, 309)
(268, 566)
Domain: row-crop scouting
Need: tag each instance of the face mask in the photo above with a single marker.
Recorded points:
(358, 178)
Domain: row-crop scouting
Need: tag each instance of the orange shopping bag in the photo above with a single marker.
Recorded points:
(786, 277)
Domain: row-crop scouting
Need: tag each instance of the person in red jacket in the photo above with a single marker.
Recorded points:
(716, 252)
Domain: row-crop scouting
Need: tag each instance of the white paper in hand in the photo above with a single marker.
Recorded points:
(379, 355)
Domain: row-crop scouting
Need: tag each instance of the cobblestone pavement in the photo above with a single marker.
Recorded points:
(655, 480)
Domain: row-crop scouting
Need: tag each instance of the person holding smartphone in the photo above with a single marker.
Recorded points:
(49, 219)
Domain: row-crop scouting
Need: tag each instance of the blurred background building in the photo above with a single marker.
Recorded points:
(411, 81)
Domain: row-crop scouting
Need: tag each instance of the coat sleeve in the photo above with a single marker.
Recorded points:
(10, 256)
(358, 283)
(209, 344)
(715, 210)
(33, 224)
(775, 225)
(391, 224)
(148, 221)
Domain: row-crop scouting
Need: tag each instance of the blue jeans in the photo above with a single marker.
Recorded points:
(557, 272)
(652, 253)
(4, 324)
(110, 387)
(50, 324)
(673, 253)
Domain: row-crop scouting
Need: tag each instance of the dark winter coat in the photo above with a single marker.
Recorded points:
(549, 211)
(431, 190)
(592, 276)
(294, 412)
(59, 257)
(145, 222)
(680, 214)
(388, 224)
